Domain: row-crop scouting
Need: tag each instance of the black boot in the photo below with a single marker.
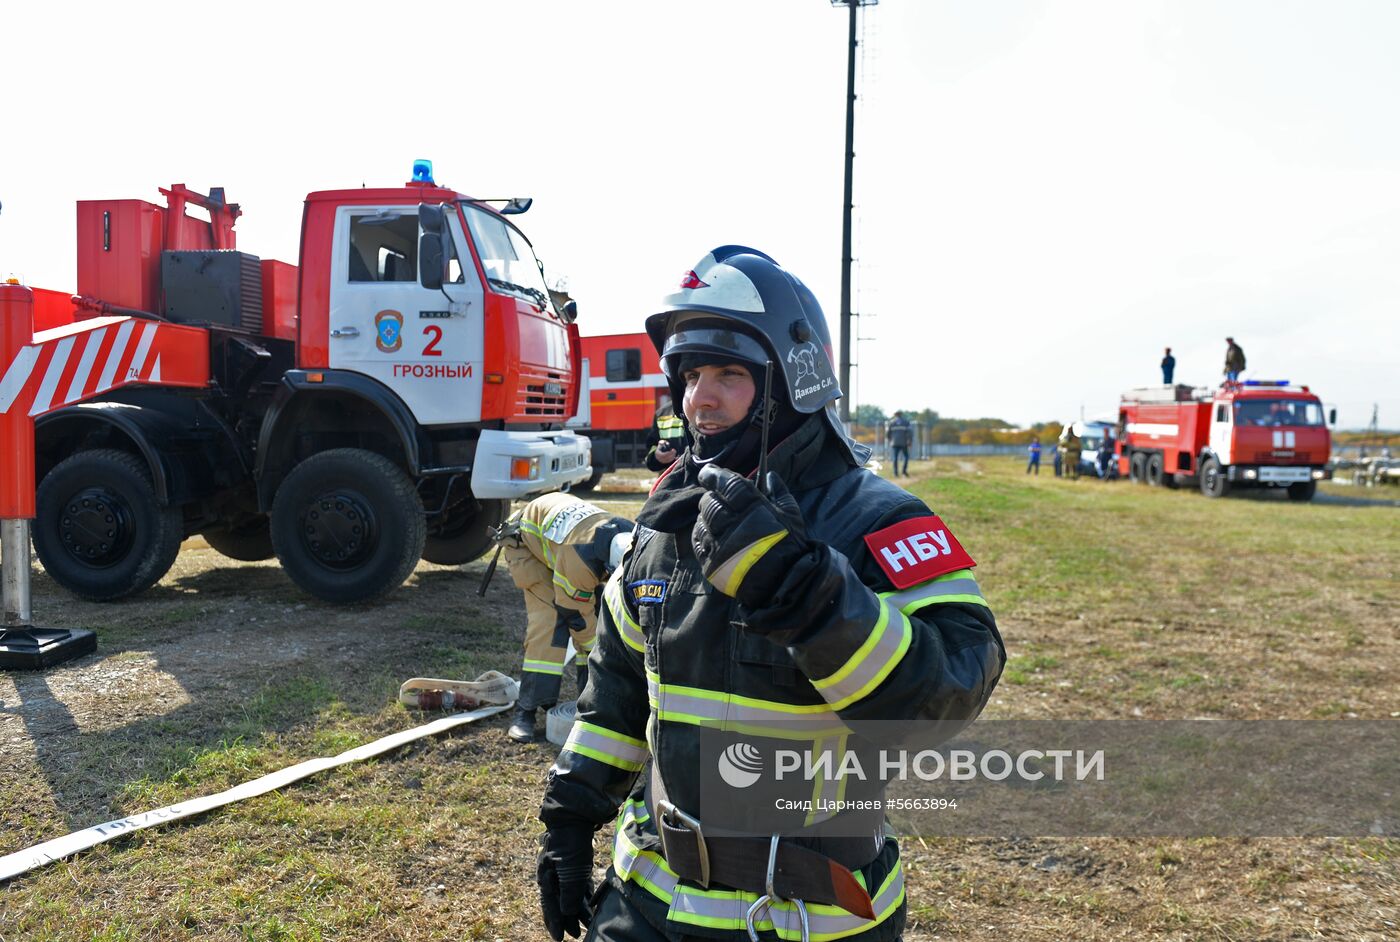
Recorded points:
(523, 728)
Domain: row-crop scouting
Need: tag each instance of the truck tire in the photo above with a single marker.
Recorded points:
(1302, 491)
(593, 480)
(250, 541)
(1156, 470)
(466, 536)
(1137, 468)
(99, 529)
(1214, 483)
(347, 525)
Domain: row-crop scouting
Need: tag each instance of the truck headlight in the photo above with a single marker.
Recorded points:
(1319, 474)
(524, 469)
(1250, 474)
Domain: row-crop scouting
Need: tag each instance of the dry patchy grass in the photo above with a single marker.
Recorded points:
(1115, 601)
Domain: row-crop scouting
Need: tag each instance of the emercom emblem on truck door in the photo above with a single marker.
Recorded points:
(377, 323)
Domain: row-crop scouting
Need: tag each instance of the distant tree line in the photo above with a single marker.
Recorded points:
(869, 426)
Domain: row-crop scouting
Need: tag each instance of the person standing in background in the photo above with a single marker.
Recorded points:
(1168, 367)
(1034, 454)
(1071, 446)
(899, 433)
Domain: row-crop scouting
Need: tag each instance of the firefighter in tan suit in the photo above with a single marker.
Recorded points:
(560, 551)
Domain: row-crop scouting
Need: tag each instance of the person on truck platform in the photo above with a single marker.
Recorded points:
(776, 589)
(1234, 360)
(560, 551)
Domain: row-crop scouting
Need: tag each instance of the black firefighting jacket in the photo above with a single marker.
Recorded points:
(840, 642)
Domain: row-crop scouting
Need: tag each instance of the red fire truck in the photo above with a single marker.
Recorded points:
(1258, 433)
(383, 401)
(626, 387)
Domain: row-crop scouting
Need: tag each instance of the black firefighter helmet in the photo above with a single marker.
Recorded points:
(739, 303)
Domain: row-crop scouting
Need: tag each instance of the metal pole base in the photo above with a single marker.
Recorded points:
(35, 649)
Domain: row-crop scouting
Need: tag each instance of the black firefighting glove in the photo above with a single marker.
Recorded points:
(565, 876)
(747, 542)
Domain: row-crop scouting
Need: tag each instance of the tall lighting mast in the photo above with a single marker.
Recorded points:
(846, 204)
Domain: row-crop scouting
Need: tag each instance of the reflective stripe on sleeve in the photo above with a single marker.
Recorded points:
(605, 745)
(543, 667)
(631, 631)
(958, 586)
(573, 591)
(872, 662)
(728, 577)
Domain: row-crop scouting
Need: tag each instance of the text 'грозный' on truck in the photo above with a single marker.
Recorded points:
(382, 402)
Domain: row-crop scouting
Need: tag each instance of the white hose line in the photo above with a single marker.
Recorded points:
(22, 861)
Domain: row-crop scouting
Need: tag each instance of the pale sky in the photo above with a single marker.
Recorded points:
(1048, 193)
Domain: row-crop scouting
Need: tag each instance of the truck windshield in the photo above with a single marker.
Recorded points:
(1276, 412)
(507, 257)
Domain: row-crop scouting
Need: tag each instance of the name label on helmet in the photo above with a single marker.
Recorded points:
(806, 366)
(917, 550)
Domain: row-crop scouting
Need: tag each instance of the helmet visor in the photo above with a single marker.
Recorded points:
(723, 343)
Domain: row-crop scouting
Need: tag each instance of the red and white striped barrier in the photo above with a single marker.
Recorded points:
(49, 370)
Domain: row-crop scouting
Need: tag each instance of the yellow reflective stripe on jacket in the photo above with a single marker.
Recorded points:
(959, 586)
(699, 707)
(544, 667)
(575, 593)
(730, 576)
(631, 632)
(872, 662)
(726, 908)
(605, 745)
(670, 426)
(534, 530)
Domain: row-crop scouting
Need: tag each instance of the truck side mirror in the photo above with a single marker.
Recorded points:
(1332, 417)
(431, 218)
(433, 221)
(569, 311)
(430, 255)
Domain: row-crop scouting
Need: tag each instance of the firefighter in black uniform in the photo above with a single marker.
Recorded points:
(667, 438)
(737, 608)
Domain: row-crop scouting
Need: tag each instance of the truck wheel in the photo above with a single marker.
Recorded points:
(347, 525)
(1155, 470)
(250, 541)
(466, 535)
(1302, 491)
(593, 480)
(99, 529)
(1213, 480)
(1137, 468)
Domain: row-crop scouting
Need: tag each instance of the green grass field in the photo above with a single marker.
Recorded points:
(1116, 601)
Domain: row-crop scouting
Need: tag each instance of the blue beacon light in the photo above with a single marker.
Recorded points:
(423, 171)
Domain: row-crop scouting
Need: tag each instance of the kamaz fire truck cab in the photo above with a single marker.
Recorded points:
(382, 402)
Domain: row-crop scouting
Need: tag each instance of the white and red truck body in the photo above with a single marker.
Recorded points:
(625, 389)
(1259, 433)
(416, 331)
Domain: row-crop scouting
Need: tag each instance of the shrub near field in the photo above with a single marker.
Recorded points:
(1115, 601)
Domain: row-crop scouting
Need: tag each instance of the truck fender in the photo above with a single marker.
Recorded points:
(305, 393)
(180, 473)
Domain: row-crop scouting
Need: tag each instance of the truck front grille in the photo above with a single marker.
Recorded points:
(539, 396)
